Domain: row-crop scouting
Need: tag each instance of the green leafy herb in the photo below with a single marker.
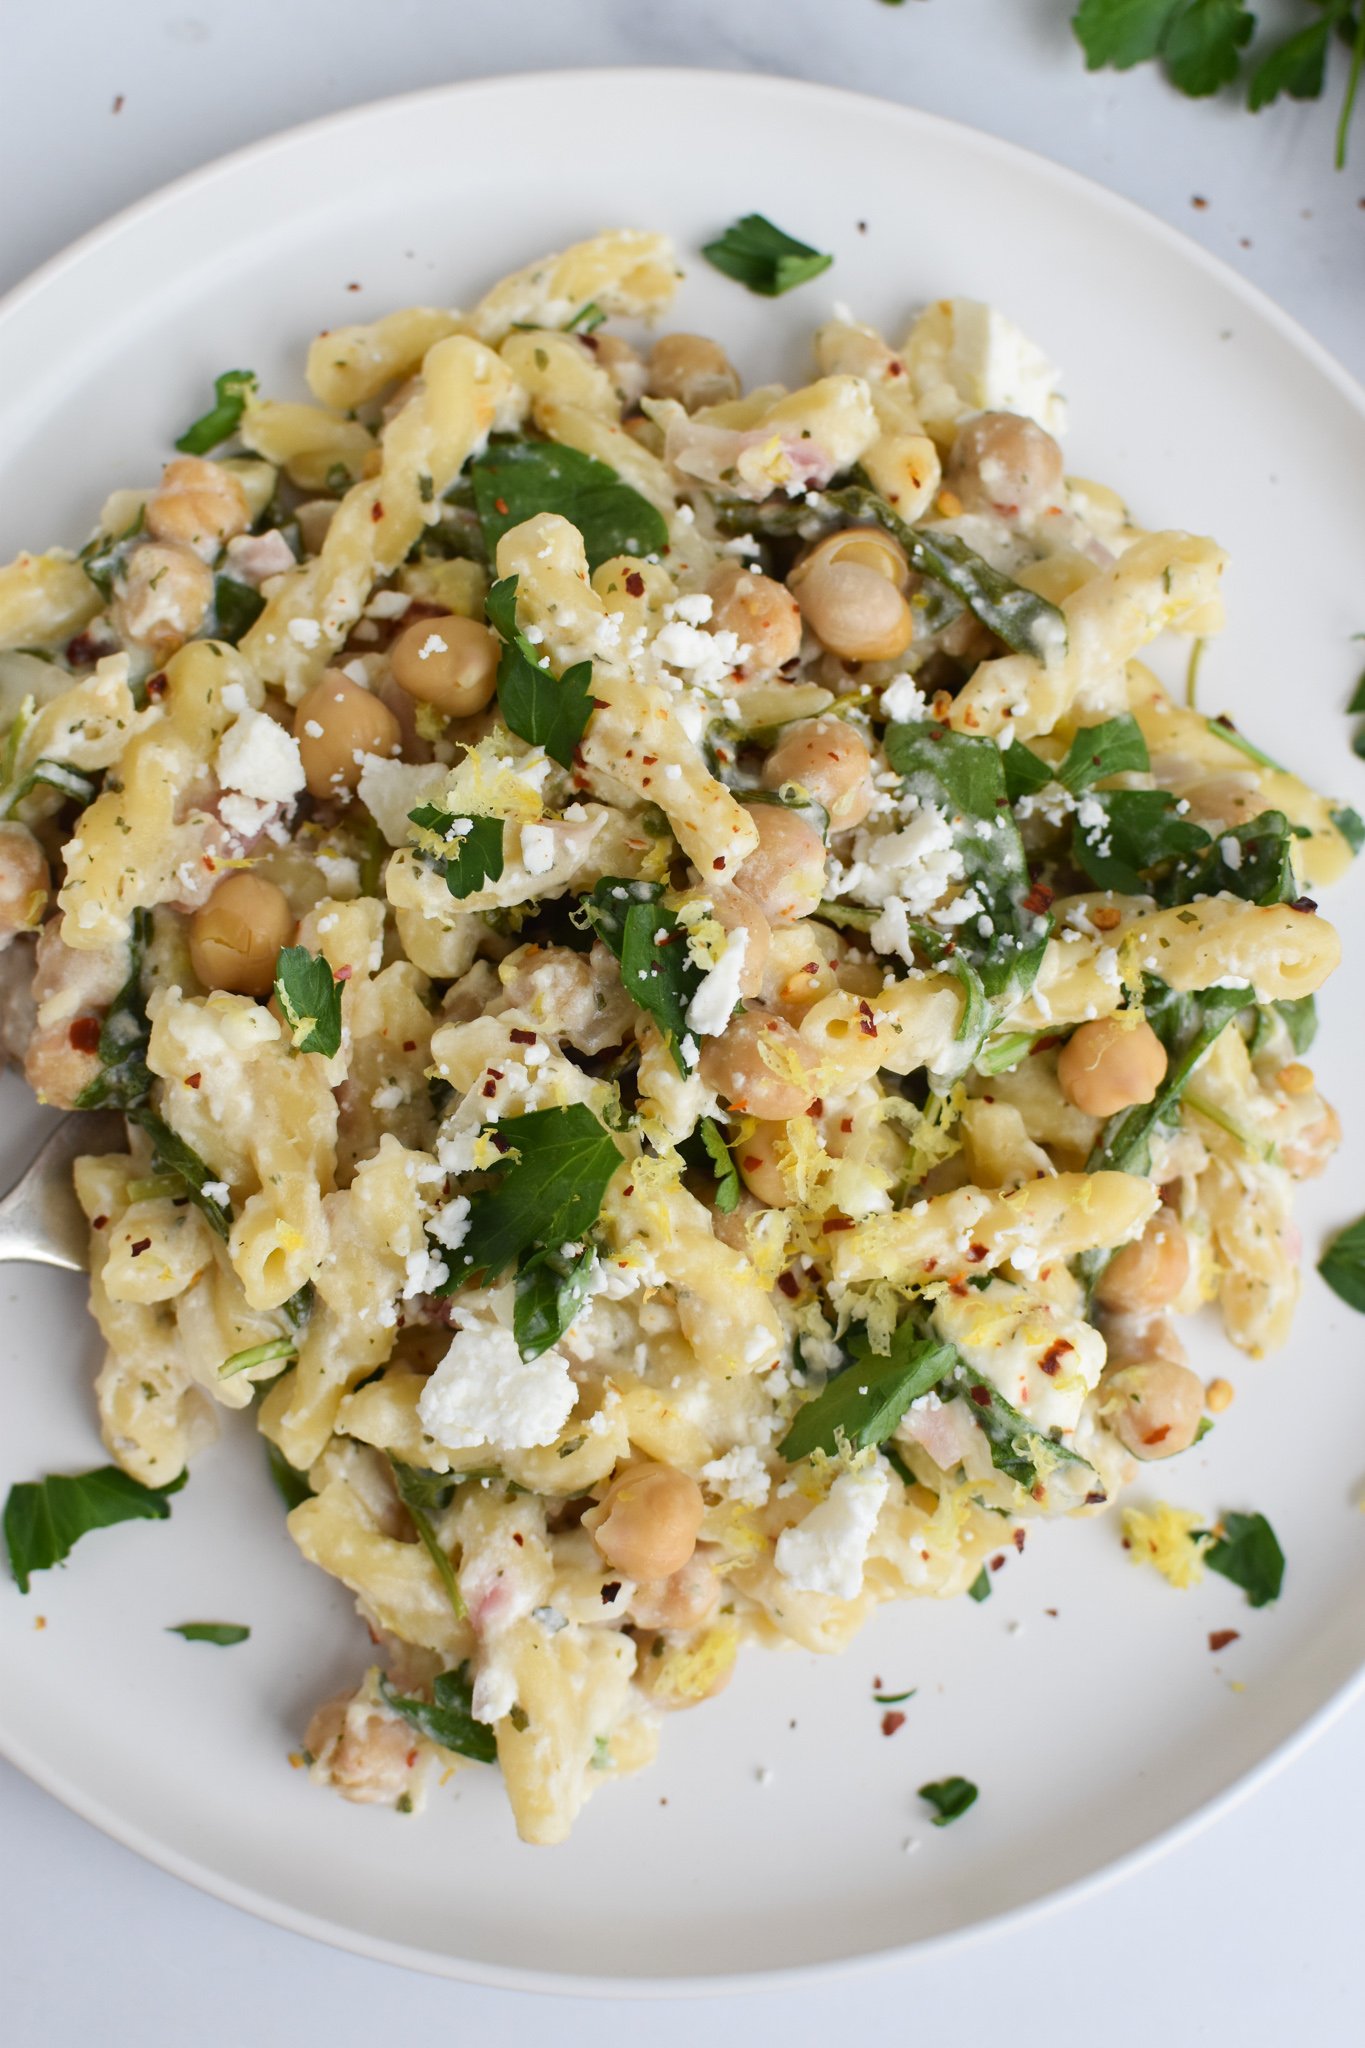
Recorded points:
(1261, 872)
(1357, 703)
(170, 1154)
(470, 848)
(1187, 1025)
(1342, 1265)
(223, 1633)
(586, 320)
(1299, 1015)
(124, 1078)
(550, 1291)
(547, 1191)
(727, 1173)
(310, 996)
(1114, 747)
(1248, 1553)
(548, 710)
(1024, 1454)
(291, 1484)
(422, 1494)
(45, 1518)
(980, 1588)
(651, 945)
(69, 782)
(236, 607)
(447, 1718)
(894, 1699)
(1139, 830)
(230, 392)
(763, 258)
(1351, 826)
(258, 1354)
(103, 557)
(863, 1403)
(514, 480)
(950, 1797)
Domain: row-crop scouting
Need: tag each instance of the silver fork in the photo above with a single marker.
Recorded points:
(40, 1219)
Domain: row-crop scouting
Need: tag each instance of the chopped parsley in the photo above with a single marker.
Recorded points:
(514, 480)
(1247, 1551)
(310, 996)
(470, 849)
(950, 1797)
(447, 1718)
(764, 258)
(547, 710)
(230, 394)
(223, 1633)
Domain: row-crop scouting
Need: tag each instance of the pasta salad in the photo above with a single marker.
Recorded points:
(689, 1016)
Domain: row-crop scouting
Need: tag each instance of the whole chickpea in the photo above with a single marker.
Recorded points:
(851, 600)
(1153, 1409)
(200, 505)
(738, 912)
(335, 724)
(1150, 1272)
(759, 1160)
(622, 363)
(646, 1526)
(162, 597)
(24, 882)
(785, 873)
(235, 938)
(1308, 1151)
(693, 369)
(685, 1600)
(831, 759)
(734, 1066)
(1004, 463)
(763, 616)
(449, 662)
(1110, 1064)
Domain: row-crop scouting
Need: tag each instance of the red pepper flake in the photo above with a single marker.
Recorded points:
(1304, 905)
(1219, 1638)
(976, 1253)
(1045, 1043)
(144, 1244)
(1038, 898)
(789, 1284)
(490, 1088)
(997, 1561)
(84, 1034)
(498, 1142)
(377, 511)
(500, 506)
(520, 1037)
(345, 973)
(630, 1190)
(1019, 1536)
(959, 1288)
(117, 107)
(1051, 1360)
(155, 687)
(518, 1539)
(1095, 1500)
(635, 583)
(193, 1080)
(1051, 1611)
(411, 1757)
(353, 287)
(1158, 1436)
(1198, 202)
(40, 1621)
(845, 1124)
(719, 862)
(891, 1722)
(100, 1223)
(981, 1396)
(816, 1106)
(649, 760)
(838, 1223)
(409, 1045)
(609, 1591)
(752, 1161)
(867, 1023)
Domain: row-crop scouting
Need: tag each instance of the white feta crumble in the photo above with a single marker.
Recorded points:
(826, 1552)
(484, 1391)
(450, 1225)
(713, 1003)
(242, 815)
(917, 863)
(217, 1191)
(741, 1475)
(694, 609)
(537, 849)
(424, 1273)
(387, 1096)
(259, 758)
(232, 697)
(904, 702)
(1231, 850)
(305, 632)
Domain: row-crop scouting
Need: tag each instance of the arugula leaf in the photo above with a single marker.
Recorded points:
(651, 945)
(1300, 1015)
(51, 775)
(448, 1717)
(44, 1519)
(950, 1797)
(1248, 1553)
(1342, 1265)
(1263, 871)
(548, 710)
(1014, 1443)
(550, 1291)
(1114, 747)
(230, 394)
(1140, 829)
(236, 607)
(124, 1078)
(102, 557)
(1351, 826)
(310, 996)
(980, 1588)
(223, 1633)
(291, 1484)
(258, 1354)
(471, 855)
(421, 1493)
(170, 1154)
(864, 1402)
(721, 1157)
(1187, 1024)
(514, 480)
(1024, 621)
(1025, 772)
(547, 1192)
(763, 258)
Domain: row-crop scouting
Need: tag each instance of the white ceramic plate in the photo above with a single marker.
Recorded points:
(772, 1836)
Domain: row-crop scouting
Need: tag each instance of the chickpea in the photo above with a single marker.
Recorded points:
(734, 1066)
(200, 505)
(235, 938)
(364, 1755)
(785, 873)
(1153, 1410)
(335, 724)
(622, 363)
(685, 1600)
(763, 616)
(736, 911)
(449, 662)
(1111, 1064)
(1005, 464)
(162, 598)
(24, 882)
(759, 1160)
(647, 1524)
(1308, 1151)
(830, 758)
(1150, 1272)
(853, 609)
(693, 369)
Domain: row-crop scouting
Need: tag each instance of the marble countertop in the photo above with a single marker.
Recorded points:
(1248, 1931)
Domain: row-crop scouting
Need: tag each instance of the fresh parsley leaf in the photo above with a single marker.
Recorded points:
(1357, 702)
(980, 1588)
(124, 1079)
(469, 856)
(863, 1403)
(950, 1797)
(727, 1173)
(1342, 1265)
(1261, 872)
(447, 1718)
(223, 1633)
(291, 1484)
(1140, 830)
(310, 996)
(547, 1191)
(1351, 826)
(550, 1291)
(514, 480)
(422, 1494)
(1297, 66)
(45, 1518)
(221, 421)
(1024, 1454)
(764, 258)
(651, 946)
(1248, 1553)
(548, 710)
(1202, 44)
(236, 607)
(1115, 747)
(1120, 33)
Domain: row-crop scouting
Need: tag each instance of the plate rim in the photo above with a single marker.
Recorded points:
(517, 1978)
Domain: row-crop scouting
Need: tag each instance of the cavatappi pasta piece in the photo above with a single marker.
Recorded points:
(996, 1146)
(347, 366)
(911, 1024)
(309, 444)
(573, 1689)
(630, 274)
(972, 1231)
(1279, 952)
(44, 598)
(464, 392)
(1164, 580)
(902, 463)
(560, 368)
(586, 429)
(395, 1582)
(771, 440)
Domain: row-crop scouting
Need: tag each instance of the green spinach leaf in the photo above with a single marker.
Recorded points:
(44, 1519)
(763, 258)
(516, 479)
(1248, 1553)
(1119, 836)
(447, 1718)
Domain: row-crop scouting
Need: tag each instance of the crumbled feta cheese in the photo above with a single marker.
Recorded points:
(389, 1096)
(306, 632)
(713, 1003)
(217, 1191)
(826, 1552)
(259, 758)
(904, 702)
(425, 1272)
(450, 1225)
(537, 849)
(484, 1391)
(741, 1475)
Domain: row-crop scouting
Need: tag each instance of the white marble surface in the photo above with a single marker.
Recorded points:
(1247, 1932)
